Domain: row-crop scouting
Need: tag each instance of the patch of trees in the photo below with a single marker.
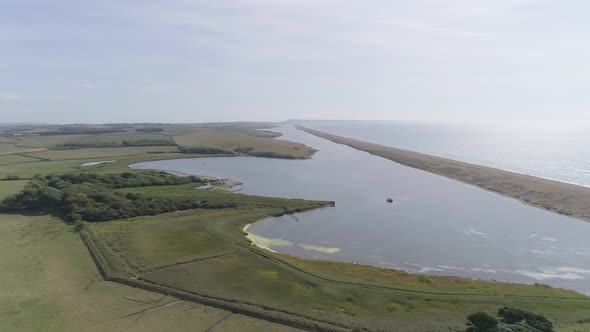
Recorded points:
(203, 150)
(80, 131)
(90, 197)
(125, 143)
(509, 320)
(154, 140)
(165, 141)
(108, 205)
(120, 180)
(270, 154)
(149, 130)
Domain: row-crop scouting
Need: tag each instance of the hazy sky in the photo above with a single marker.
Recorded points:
(195, 61)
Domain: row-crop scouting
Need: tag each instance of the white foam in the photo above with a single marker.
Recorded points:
(473, 231)
(425, 269)
(483, 270)
(562, 272)
(549, 239)
(325, 250)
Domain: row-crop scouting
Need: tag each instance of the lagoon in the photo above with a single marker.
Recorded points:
(434, 225)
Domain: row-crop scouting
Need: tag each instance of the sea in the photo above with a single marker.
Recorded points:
(559, 153)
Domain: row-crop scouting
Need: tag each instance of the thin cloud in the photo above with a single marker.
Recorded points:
(9, 96)
(89, 84)
(435, 29)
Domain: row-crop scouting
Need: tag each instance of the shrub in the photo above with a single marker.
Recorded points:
(203, 150)
(510, 315)
(424, 279)
(482, 322)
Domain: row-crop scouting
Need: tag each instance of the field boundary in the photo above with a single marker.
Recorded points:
(256, 311)
(194, 260)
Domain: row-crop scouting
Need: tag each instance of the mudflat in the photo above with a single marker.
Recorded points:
(564, 198)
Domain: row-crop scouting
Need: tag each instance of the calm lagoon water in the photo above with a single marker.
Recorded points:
(435, 225)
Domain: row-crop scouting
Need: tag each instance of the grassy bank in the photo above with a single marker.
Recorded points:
(563, 198)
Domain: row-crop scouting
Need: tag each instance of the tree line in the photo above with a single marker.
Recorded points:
(91, 197)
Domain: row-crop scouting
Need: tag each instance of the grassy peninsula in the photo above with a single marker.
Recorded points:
(563, 198)
(91, 248)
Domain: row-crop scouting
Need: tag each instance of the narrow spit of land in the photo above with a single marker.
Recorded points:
(564, 198)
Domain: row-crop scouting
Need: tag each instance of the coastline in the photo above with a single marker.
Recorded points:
(253, 239)
(560, 197)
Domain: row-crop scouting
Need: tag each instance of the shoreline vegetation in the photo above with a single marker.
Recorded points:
(198, 251)
(559, 197)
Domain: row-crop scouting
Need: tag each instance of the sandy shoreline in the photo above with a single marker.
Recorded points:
(252, 238)
(560, 197)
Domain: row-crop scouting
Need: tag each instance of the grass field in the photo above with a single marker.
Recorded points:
(8, 140)
(50, 282)
(8, 188)
(248, 142)
(205, 252)
(117, 140)
(29, 169)
(49, 141)
(92, 153)
(15, 159)
(10, 148)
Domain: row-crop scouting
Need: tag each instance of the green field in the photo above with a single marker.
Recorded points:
(8, 140)
(13, 159)
(8, 188)
(46, 141)
(243, 141)
(50, 282)
(204, 252)
(117, 140)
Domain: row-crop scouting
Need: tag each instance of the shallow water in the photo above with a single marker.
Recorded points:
(434, 226)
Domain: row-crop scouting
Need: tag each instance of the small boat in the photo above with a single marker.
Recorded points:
(390, 200)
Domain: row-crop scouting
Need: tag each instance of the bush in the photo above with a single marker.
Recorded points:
(482, 322)
(203, 150)
(149, 130)
(424, 279)
(510, 315)
(11, 178)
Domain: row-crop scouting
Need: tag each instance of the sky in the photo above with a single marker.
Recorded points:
(483, 61)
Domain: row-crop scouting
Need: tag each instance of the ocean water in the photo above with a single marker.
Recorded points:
(434, 225)
(558, 153)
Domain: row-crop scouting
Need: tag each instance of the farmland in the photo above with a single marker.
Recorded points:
(194, 269)
(116, 140)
